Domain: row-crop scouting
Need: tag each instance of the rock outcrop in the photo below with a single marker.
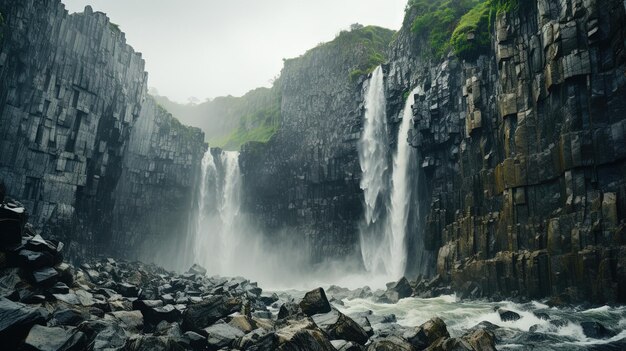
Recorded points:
(524, 152)
(78, 138)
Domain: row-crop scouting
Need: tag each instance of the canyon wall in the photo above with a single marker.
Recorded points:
(524, 150)
(305, 180)
(71, 90)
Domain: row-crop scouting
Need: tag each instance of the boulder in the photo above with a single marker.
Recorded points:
(481, 339)
(243, 323)
(340, 327)
(199, 316)
(154, 312)
(111, 338)
(131, 320)
(315, 302)
(222, 335)
(303, 335)
(450, 344)
(343, 345)
(197, 269)
(289, 309)
(427, 333)
(67, 316)
(42, 338)
(508, 316)
(47, 276)
(127, 290)
(16, 320)
(596, 330)
(153, 343)
(12, 220)
(390, 343)
(194, 340)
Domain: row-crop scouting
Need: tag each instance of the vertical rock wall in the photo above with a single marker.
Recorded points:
(70, 91)
(525, 155)
(306, 178)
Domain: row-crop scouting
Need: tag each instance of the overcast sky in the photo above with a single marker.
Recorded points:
(209, 48)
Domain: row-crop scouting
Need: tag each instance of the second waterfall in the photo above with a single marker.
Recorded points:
(387, 193)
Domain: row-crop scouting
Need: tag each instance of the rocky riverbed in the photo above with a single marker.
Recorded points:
(48, 304)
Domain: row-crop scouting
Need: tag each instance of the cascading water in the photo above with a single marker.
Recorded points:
(383, 243)
(401, 190)
(216, 233)
(373, 151)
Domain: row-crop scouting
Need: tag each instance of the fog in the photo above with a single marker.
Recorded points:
(207, 48)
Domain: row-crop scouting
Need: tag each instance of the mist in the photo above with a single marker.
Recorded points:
(206, 49)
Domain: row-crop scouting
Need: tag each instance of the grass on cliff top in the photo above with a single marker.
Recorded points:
(459, 25)
(366, 43)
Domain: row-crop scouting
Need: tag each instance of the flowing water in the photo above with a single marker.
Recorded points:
(561, 332)
(373, 157)
(384, 242)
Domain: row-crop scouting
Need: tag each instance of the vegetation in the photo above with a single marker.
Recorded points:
(114, 27)
(461, 25)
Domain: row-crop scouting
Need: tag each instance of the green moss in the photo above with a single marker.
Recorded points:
(363, 45)
(471, 37)
(460, 25)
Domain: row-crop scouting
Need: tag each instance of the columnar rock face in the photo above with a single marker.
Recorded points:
(70, 91)
(525, 153)
(154, 195)
(306, 178)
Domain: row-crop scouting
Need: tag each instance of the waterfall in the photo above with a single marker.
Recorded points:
(217, 233)
(387, 208)
(402, 184)
(373, 149)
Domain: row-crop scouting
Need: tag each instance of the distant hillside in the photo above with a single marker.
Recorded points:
(229, 122)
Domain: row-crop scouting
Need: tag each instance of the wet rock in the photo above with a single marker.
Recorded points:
(315, 302)
(195, 340)
(451, 344)
(152, 343)
(16, 320)
(508, 316)
(243, 323)
(132, 320)
(303, 335)
(340, 327)
(199, 316)
(427, 333)
(481, 339)
(68, 317)
(42, 338)
(398, 290)
(111, 338)
(12, 220)
(390, 343)
(268, 299)
(222, 335)
(127, 290)
(197, 269)
(45, 276)
(289, 309)
(596, 330)
(542, 315)
(35, 260)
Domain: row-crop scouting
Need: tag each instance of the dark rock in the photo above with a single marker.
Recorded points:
(222, 335)
(68, 317)
(131, 320)
(343, 345)
(127, 290)
(340, 327)
(268, 299)
(303, 335)
(426, 334)
(542, 315)
(12, 221)
(45, 276)
(112, 337)
(289, 309)
(508, 316)
(398, 290)
(16, 320)
(596, 330)
(482, 340)
(390, 343)
(42, 338)
(199, 316)
(3, 191)
(195, 340)
(152, 343)
(36, 260)
(315, 302)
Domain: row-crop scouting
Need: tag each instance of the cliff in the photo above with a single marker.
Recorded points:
(306, 177)
(524, 152)
(71, 92)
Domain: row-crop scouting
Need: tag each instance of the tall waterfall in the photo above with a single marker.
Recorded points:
(217, 233)
(387, 207)
(373, 151)
(401, 190)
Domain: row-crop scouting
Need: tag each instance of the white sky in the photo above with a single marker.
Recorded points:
(210, 48)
